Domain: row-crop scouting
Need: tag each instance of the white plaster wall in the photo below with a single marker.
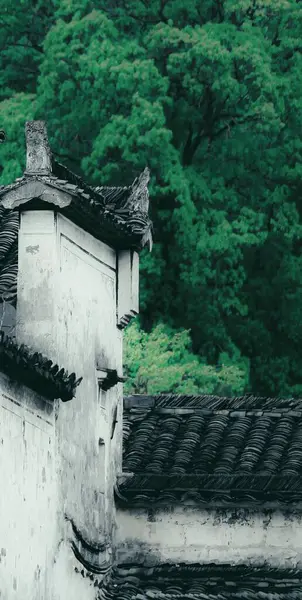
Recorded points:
(191, 535)
(28, 492)
(67, 309)
(87, 340)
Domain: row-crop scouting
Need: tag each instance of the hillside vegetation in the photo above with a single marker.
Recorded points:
(208, 95)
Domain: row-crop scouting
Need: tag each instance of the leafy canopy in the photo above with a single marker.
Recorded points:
(162, 362)
(208, 94)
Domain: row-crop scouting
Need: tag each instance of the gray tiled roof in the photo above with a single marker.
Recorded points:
(205, 448)
(36, 371)
(9, 226)
(200, 582)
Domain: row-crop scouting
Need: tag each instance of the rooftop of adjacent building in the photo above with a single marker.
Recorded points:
(200, 449)
(201, 582)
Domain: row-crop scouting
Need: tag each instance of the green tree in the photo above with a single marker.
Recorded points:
(23, 27)
(162, 362)
(209, 95)
(14, 112)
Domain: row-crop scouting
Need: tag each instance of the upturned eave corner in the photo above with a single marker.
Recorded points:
(138, 204)
(139, 197)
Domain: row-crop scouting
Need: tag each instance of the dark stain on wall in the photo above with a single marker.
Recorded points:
(32, 249)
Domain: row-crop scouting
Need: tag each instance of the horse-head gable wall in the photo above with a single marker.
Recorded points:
(76, 288)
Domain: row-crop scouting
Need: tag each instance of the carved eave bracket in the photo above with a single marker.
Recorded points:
(128, 287)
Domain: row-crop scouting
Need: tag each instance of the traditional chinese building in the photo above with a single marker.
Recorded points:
(143, 497)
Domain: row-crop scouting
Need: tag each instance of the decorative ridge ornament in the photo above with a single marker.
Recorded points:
(139, 197)
(38, 153)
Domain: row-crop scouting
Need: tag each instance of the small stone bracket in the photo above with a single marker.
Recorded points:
(128, 287)
(108, 378)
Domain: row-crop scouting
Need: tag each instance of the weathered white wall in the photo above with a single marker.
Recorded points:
(28, 498)
(192, 535)
(67, 309)
(87, 340)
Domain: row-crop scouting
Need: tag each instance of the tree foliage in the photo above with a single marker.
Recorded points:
(162, 362)
(208, 94)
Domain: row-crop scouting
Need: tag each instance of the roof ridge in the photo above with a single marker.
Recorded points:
(61, 171)
(211, 402)
(252, 569)
(210, 580)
